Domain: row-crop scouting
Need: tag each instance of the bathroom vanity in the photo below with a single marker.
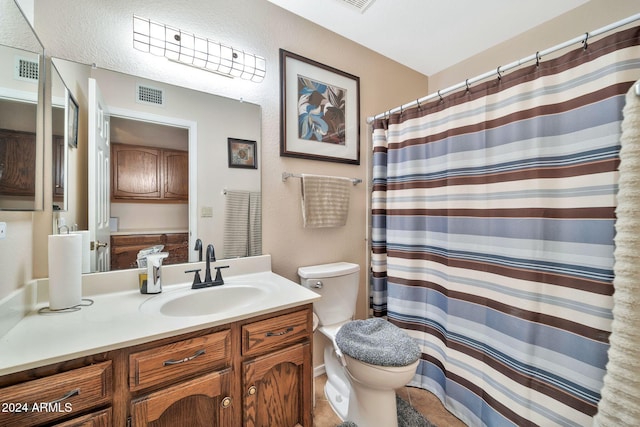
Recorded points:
(249, 364)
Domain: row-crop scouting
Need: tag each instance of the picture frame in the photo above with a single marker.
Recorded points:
(319, 111)
(242, 153)
(71, 112)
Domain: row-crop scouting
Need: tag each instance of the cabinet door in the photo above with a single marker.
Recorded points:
(97, 419)
(277, 389)
(203, 401)
(136, 172)
(17, 163)
(176, 174)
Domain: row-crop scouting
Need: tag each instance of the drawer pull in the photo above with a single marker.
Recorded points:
(252, 390)
(69, 395)
(277, 334)
(186, 359)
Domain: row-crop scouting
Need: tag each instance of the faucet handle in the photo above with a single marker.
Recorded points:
(196, 278)
(218, 280)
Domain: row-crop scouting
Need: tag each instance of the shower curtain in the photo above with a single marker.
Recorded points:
(493, 214)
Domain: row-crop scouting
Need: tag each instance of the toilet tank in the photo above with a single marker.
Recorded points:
(338, 284)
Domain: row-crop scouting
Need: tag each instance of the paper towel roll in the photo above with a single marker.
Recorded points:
(86, 250)
(65, 270)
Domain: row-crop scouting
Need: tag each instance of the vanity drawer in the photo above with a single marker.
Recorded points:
(180, 359)
(56, 396)
(275, 333)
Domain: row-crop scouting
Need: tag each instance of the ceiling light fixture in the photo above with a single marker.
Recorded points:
(180, 46)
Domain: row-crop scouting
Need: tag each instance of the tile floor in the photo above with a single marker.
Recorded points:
(425, 402)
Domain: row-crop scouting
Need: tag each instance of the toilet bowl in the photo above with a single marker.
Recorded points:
(362, 359)
(373, 400)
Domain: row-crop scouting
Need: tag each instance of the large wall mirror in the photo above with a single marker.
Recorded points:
(168, 180)
(21, 112)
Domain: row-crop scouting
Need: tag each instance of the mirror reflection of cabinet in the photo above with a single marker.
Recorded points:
(125, 248)
(149, 173)
(21, 110)
(17, 163)
(185, 121)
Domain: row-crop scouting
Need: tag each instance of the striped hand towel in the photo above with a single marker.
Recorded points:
(325, 200)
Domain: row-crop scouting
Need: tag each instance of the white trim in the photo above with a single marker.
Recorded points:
(319, 371)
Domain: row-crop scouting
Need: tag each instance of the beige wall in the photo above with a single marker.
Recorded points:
(588, 17)
(68, 30)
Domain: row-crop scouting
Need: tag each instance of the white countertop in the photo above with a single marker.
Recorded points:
(116, 321)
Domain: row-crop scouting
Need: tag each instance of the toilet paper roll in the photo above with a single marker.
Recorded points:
(65, 271)
(86, 250)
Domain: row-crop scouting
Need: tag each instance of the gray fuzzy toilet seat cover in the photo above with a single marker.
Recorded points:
(378, 342)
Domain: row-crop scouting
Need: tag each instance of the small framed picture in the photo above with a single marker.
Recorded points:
(242, 153)
(71, 116)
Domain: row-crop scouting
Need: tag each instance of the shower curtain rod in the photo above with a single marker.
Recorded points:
(536, 56)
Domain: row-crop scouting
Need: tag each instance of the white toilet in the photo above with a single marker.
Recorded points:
(359, 390)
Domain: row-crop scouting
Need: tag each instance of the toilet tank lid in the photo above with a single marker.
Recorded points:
(327, 270)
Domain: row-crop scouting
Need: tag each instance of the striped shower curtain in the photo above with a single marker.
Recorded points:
(493, 217)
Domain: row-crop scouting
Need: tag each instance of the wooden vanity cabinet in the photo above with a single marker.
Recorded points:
(253, 372)
(141, 173)
(277, 371)
(60, 396)
(201, 401)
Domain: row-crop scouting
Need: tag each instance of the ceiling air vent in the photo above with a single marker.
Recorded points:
(149, 95)
(361, 5)
(26, 69)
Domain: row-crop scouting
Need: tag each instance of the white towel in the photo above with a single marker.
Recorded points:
(620, 403)
(325, 200)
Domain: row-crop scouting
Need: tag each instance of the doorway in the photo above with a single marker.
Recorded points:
(148, 219)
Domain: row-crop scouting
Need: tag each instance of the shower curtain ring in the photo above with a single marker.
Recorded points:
(440, 96)
(466, 82)
(418, 102)
(537, 58)
(585, 41)
(498, 71)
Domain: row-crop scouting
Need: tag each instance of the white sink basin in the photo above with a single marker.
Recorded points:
(226, 298)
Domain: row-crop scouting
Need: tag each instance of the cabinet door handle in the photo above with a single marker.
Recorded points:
(252, 390)
(277, 334)
(74, 392)
(226, 402)
(186, 359)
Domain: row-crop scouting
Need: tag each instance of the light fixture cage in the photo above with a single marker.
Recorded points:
(187, 48)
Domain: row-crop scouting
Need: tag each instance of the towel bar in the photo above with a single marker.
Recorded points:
(286, 175)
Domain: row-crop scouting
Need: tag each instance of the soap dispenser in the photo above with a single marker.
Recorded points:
(153, 284)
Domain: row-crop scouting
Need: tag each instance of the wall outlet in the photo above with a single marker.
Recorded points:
(3, 230)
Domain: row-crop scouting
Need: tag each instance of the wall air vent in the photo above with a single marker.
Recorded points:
(149, 95)
(26, 69)
(361, 5)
